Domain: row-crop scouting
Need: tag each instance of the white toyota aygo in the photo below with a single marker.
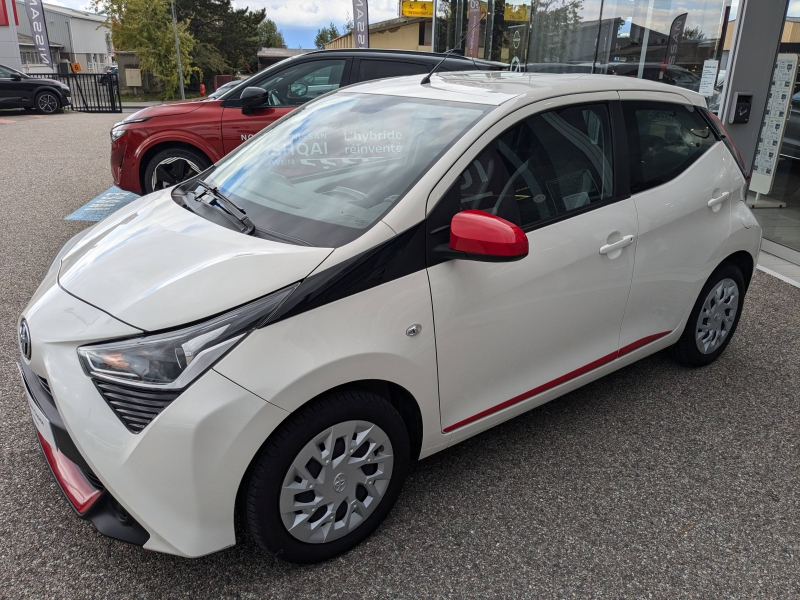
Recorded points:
(385, 272)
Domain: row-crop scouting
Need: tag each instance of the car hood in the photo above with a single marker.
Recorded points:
(167, 110)
(155, 265)
(53, 82)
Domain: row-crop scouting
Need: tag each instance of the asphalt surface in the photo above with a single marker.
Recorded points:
(656, 481)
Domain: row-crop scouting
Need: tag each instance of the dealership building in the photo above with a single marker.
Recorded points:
(75, 37)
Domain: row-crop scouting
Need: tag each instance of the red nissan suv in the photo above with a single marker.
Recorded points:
(162, 145)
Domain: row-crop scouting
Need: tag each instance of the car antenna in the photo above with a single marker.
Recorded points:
(454, 50)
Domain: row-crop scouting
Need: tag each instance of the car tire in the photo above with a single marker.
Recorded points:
(328, 507)
(171, 166)
(713, 319)
(46, 103)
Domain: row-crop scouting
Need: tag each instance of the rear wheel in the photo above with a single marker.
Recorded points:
(713, 319)
(46, 103)
(327, 477)
(172, 166)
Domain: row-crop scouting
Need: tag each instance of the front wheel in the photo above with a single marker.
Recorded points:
(46, 103)
(172, 166)
(327, 477)
(713, 319)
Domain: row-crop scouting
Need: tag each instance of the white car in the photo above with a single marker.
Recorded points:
(418, 262)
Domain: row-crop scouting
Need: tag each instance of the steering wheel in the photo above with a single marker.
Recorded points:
(273, 98)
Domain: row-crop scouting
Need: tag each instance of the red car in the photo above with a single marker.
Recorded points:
(162, 145)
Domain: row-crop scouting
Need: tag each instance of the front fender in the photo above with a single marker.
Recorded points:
(181, 137)
(360, 337)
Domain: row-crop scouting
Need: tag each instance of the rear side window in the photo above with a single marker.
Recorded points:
(543, 168)
(664, 140)
(378, 69)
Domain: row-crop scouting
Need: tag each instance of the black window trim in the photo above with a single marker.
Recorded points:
(683, 167)
(723, 137)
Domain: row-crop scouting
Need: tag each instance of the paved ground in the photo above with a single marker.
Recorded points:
(656, 481)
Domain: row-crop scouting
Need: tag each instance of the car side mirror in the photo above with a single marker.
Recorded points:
(16, 77)
(252, 97)
(481, 236)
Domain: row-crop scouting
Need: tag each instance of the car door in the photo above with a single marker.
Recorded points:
(508, 332)
(367, 69)
(288, 88)
(11, 90)
(681, 184)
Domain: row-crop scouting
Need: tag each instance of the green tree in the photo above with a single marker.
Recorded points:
(325, 35)
(228, 38)
(693, 34)
(269, 35)
(555, 23)
(145, 28)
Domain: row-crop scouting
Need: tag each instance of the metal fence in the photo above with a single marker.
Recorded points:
(91, 92)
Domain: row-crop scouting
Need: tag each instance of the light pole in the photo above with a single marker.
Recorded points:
(177, 47)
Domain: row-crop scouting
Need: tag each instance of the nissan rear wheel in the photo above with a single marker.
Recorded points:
(46, 103)
(327, 477)
(172, 166)
(713, 319)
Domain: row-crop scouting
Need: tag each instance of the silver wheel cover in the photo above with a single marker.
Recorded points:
(717, 316)
(336, 481)
(48, 103)
(171, 171)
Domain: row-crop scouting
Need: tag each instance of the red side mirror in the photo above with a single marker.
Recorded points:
(485, 237)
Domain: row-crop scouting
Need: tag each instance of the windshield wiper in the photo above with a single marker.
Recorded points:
(226, 208)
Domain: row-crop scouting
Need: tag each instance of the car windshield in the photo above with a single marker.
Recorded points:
(227, 87)
(334, 167)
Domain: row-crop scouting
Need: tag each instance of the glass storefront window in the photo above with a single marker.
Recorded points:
(563, 36)
(663, 40)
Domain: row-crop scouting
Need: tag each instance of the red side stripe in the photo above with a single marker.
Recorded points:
(642, 342)
(14, 6)
(559, 380)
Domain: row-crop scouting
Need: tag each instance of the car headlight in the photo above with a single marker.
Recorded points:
(116, 134)
(174, 359)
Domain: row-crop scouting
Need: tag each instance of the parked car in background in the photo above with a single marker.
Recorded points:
(18, 90)
(261, 338)
(163, 145)
(669, 74)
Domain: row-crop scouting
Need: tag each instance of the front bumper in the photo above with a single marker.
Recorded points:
(83, 489)
(179, 477)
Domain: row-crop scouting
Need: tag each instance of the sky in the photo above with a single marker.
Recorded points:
(299, 20)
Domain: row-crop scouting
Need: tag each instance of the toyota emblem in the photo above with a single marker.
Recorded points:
(25, 339)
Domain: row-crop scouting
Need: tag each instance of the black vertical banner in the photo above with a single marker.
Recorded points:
(35, 12)
(361, 23)
(675, 37)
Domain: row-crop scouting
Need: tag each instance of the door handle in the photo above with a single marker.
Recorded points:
(626, 241)
(718, 200)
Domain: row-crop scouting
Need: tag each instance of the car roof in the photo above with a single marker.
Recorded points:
(497, 87)
(436, 56)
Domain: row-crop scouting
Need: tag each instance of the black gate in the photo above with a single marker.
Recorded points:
(91, 92)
